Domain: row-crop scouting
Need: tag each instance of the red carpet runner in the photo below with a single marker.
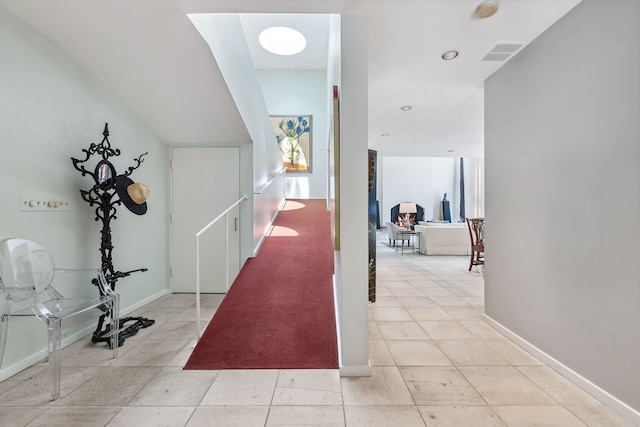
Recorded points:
(279, 312)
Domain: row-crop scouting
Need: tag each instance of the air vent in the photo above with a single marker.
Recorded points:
(503, 51)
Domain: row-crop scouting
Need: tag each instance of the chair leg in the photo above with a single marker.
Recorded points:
(115, 325)
(471, 262)
(55, 350)
(4, 327)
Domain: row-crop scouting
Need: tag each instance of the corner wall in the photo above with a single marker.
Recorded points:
(50, 110)
(562, 157)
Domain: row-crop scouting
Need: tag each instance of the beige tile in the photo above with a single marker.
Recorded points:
(440, 386)
(505, 385)
(172, 331)
(599, 415)
(20, 377)
(175, 387)
(86, 353)
(383, 416)
(211, 300)
(324, 416)
(111, 386)
(512, 352)
(229, 416)
(450, 284)
(385, 386)
(176, 300)
(308, 387)
(19, 416)
(422, 283)
(391, 284)
(449, 301)
(151, 353)
(181, 358)
(382, 292)
(77, 416)
(475, 301)
(242, 387)
(159, 314)
(379, 353)
(482, 329)
(470, 352)
(464, 313)
(446, 329)
(417, 353)
(152, 416)
(386, 301)
(537, 415)
(560, 388)
(406, 292)
(416, 301)
(460, 416)
(401, 330)
(36, 390)
(374, 332)
(438, 291)
(390, 314)
(190, 314)
(428, 313)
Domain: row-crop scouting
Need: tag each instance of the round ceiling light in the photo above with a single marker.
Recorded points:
(406, 107)
(449, 55)
(486, 9)
(282, 40)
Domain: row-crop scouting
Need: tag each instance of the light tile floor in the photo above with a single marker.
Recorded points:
(435, 363)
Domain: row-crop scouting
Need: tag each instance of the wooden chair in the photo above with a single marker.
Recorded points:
(476, 233)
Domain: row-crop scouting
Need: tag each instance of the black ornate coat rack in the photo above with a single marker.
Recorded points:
(108, 192)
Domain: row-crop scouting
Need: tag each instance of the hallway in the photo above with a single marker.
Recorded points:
(435, 363)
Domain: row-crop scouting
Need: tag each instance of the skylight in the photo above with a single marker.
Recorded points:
(282, 40)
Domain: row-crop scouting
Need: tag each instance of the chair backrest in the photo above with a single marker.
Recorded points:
(25, 263)
(476, 231)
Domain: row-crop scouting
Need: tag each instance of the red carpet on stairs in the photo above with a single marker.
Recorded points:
(279, 312)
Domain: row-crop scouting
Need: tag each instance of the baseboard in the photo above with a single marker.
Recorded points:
(127, 310)
(355, 371)
(256, 249)
(40, 355)
(336, 310)
(605, 397)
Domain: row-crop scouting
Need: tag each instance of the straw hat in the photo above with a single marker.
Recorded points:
(132, 194)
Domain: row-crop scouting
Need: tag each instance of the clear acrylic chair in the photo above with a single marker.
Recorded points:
(27, 271)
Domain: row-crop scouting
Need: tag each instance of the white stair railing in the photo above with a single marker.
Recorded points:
(225, 215)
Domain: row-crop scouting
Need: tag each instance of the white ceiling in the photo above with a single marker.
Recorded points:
(148, 54)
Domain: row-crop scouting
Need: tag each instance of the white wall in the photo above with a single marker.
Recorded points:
(424, 180)
(50, 110)
(352, 258)
(301, 92)
(260, 165)
(563, 197)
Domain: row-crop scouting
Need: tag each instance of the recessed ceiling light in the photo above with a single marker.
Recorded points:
(452, 151)
(384, 134)
(406, 107)
(449, 55)
(282, 40)
(486, 9)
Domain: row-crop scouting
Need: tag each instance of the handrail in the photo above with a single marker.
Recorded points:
(206, 227)
(198, 234)
(273, 178)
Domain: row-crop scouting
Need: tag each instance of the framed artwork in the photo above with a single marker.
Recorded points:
(293, 136)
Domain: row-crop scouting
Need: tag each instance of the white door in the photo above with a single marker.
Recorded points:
(205, 181)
